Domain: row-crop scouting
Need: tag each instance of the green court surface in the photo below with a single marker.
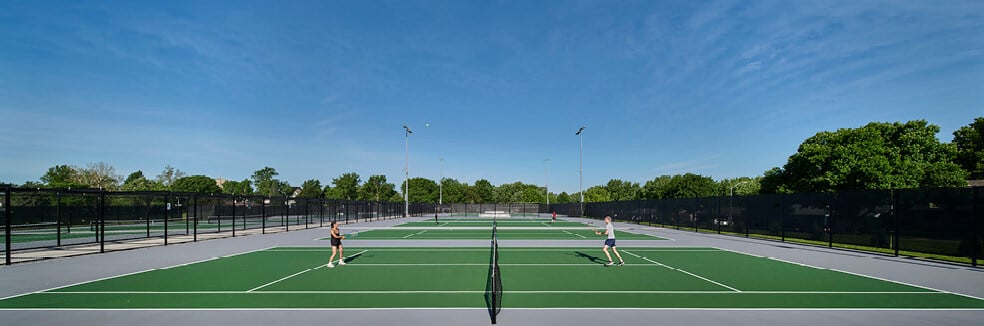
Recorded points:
(479, 233)
(500, 223)
(295, 277)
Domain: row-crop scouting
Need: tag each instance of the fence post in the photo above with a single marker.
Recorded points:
(895, 223)
(167, 209)
(782, 218)
(7, 222)
(102, 221)
(194, 238)
(263, 215)
(58, 217)
(234, 217)
(976, 244)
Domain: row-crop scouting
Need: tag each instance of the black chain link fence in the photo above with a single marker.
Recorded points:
(943, 223)
(58, 218)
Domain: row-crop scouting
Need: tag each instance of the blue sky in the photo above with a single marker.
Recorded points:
(318, 88)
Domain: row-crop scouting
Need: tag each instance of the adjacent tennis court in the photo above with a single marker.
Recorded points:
(295, 277)
(467, 233)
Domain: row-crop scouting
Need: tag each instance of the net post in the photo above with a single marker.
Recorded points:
(147, 214)
(6, 225)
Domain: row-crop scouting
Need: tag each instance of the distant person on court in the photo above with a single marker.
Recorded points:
(610, 242)
(336, 245)
(554, 218)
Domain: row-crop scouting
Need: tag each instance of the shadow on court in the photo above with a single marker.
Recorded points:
(592, 259)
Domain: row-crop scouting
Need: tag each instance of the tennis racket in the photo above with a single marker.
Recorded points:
(353, 234)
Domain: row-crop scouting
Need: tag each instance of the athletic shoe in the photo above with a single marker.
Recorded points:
(341, 262)
(609, 263)
(330, 265)
(621, 263)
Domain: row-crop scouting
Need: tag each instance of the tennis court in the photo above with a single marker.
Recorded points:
(505, 233)
(544, 277)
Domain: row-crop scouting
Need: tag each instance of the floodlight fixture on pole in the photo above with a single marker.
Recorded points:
(406, 171)
(580, 166)
(440, 199)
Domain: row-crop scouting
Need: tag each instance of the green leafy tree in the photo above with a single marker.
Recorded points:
(621, 190)
(969, 140)
(346, 186)
(265, 183)
(244, 187)
(485, 191)
(509, 192)
(454, 191)
(563, 197)
(596, 194)
(691, 185)
(196, 183)
(532, 194)
(742, 186)
(876, 156)
(136, 181)
(376, 189)
(423, 190)
(61, 176)
(656, 188)
(311, 189)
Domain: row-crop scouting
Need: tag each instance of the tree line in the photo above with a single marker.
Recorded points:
(879, 155)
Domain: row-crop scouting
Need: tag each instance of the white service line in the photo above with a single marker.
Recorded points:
(482, 291)
(572, 233)
(186, 264)
(418, 233)
(647, 259)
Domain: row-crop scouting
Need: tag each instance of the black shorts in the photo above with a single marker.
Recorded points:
(336, 242)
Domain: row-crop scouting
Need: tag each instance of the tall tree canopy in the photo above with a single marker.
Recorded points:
(876, 156)
(311, 189)
(196, 183)
(265, 184)
(377, 189)
(969, 140)
(346, 186)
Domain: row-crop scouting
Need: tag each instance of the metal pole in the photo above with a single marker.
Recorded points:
(58, 216)
(7, 222)
(194, 238)
(440, 199)
(580, 166)
(406, 171)
(102, 221)
(167, 207)
(233, 217)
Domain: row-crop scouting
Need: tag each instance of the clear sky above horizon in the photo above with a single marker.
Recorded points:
(318, 88)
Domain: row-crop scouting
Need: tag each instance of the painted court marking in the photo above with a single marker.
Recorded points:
(572, 233)
(683, 271)
(483, 291)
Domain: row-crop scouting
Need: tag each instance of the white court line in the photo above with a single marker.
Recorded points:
(683, 271)
(794, 263)
(281, 279)
(904, 283)
(418, 233)
(572, 233)
(500, 249)
(186, 264)
(483, 291)
(867, 276)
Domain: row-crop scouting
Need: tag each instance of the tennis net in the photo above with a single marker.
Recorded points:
(496, 278)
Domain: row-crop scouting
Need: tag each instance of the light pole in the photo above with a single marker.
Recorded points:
(406, 171)
(546, 166)
(580, 166)
(440, 199)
